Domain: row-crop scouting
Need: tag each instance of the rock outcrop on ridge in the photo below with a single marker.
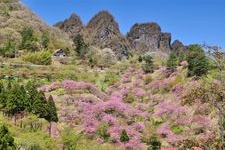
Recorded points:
(147, 37)
(72, 26)
(103, 31)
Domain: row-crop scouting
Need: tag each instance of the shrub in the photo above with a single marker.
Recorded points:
(102, 131)
(198, 64)
(44, 41)
(39, 58)
(157, 121)
(176, 129)
(148, 79)
(172, 62)
(70, 139)
(130, 98)
(124, 136)
(28, 40)
(154, 143)
(111, 78)
(147, 65)
(9, 50)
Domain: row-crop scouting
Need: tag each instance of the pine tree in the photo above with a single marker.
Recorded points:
(32, 97)
(51, 113)
(81, 46)
(124, 136)
(40, 105)
(6, 140)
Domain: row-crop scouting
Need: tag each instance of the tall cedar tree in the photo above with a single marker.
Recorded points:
(51, 113)
(15, 99)
(81, 46)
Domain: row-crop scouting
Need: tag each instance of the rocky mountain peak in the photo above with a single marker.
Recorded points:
(101, 18)
(104, 32)
(177, 46)
(147, 37)
(72, 26)
(146, 28)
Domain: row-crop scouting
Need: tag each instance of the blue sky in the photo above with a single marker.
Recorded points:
(190, 21)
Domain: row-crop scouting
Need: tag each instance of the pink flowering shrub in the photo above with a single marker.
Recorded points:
(111, 120)
(165, 132)
(207, 136)
(169, 149)
(161, 85)
(48, 88)
(133, 144)
(202, 120)
(139, 126)
(138, 92)
(183, 120)
(115, 113)
(90, 108)
(141, 107)
(138, 83)
(177, 90)
(71, 86)
(166, 108)
(126, 80)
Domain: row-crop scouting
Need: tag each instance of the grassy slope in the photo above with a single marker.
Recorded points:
(47, 74)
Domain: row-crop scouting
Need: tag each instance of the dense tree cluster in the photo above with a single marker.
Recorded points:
(16, 99)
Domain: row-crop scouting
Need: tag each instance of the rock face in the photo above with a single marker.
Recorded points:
(103, 31)
(72, 26)
(147, 37)
(177, 47)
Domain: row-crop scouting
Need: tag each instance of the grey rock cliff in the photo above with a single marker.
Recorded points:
(72, 26)
(177, 47)
(103, 31)
(147, 37)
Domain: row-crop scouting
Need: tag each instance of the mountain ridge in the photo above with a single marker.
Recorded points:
(103, 31)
